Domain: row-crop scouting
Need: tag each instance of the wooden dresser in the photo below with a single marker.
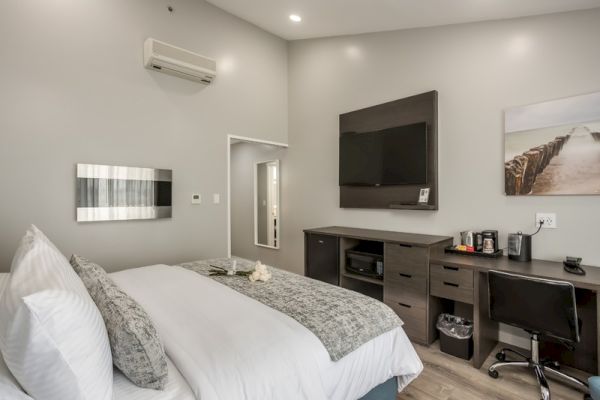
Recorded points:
(420, 282)
(405, 286)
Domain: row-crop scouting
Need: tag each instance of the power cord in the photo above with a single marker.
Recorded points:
(541, 221)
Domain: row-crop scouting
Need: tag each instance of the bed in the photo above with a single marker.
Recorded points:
(176, 387)
(123, 389)
(222, 344)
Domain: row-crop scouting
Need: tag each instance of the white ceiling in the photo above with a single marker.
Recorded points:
(342, 17)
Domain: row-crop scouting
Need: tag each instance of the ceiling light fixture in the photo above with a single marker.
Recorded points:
(295, 18)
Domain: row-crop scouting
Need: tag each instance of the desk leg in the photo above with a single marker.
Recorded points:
(485, 331)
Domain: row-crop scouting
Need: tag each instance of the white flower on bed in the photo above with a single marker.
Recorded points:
(260, 273)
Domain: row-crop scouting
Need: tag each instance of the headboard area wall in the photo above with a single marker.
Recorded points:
(75, 91)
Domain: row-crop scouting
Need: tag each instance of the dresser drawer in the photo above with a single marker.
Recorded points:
(414, 318)
(451, 283)
(461, 276)
(410, 260)
(406, 289)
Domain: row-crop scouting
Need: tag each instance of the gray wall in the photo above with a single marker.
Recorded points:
(243, 158)
(479, 70)
(74, 90)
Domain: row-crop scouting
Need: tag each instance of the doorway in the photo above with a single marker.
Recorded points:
(254, 205)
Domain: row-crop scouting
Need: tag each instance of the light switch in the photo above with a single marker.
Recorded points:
(216, 198)
(196, 198)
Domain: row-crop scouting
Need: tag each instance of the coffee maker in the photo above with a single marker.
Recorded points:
(490, 241)
(519, 246)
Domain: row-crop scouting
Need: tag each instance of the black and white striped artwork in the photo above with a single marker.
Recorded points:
(109, 193)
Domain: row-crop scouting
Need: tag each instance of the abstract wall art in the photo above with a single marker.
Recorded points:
(553, 148)
(108, 193)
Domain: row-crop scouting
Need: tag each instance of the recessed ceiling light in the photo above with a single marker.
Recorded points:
(295, 18)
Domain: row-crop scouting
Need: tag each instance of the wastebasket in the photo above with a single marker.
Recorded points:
(456, 336)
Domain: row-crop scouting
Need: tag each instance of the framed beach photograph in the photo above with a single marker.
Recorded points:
(553, 148)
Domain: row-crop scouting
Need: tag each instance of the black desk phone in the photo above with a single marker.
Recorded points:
(573, 265)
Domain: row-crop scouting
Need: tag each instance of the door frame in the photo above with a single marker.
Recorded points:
(230, 139)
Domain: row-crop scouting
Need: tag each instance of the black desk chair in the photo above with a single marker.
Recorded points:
(541, 307)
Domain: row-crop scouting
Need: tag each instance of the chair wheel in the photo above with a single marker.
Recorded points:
(500, 356)
(493, 373)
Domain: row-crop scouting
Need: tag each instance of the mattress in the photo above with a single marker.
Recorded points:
(175, 389)
(229, 346)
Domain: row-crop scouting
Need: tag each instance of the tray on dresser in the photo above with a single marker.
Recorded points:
(452, 250)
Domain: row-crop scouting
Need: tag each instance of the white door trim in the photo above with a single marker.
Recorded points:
(230, 138)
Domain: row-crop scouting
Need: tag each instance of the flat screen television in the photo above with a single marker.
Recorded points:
(393, 156)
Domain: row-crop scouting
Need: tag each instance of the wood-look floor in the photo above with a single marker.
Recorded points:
(449, 378)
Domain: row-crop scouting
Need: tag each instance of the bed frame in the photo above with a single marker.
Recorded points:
(388, 390)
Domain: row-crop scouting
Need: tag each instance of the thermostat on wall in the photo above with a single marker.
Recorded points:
(196, 199)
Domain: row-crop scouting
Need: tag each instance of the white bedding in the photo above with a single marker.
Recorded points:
(123, 389)
(175, 389)
(228, 346)
(3, 281)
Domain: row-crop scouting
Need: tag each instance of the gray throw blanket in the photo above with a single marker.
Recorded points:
(342, 319)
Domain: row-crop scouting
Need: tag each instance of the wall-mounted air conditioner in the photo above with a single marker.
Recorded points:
(163, 57)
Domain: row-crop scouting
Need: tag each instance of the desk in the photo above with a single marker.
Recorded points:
(485, 335)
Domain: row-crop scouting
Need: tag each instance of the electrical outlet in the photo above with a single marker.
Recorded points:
(549, 220)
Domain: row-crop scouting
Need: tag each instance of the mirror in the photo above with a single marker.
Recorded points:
(266, 204)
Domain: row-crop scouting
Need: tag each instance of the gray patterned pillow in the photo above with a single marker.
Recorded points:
(136, 348)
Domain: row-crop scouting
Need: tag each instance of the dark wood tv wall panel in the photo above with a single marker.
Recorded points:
(410, 110)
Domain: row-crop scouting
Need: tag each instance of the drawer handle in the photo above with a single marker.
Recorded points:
(405, 305)
(451, 284)
(405, 245)
(450, 268)
(404, 275)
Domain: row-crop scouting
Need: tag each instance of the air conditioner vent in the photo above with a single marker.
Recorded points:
(179, 62)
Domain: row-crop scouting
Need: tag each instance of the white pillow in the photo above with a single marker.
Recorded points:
(57, 348)
(9, 388)
(36, 266)
(39, 267)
